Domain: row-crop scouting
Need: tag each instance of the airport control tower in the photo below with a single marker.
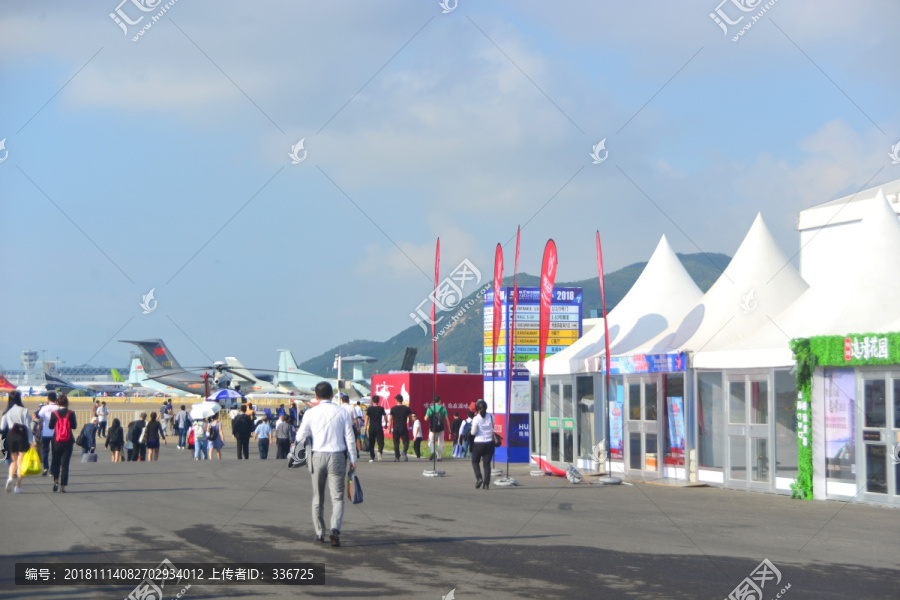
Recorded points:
(29, 359)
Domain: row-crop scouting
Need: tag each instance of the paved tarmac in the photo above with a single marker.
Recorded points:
(417, 537)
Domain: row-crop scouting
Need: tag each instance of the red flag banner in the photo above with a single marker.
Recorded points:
(498, 314)
(548, 279)
(603, 302)
(437, 276)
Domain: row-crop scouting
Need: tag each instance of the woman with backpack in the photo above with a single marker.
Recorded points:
(19, 438)
(115, 440)
(156, 431)
(214, 437)
(465, 443)
(62, 422)
(482, 445)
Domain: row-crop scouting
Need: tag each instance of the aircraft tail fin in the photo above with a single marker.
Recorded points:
(116, 376)
(155, 355)
(136, 374)
(54, 381)
(5, 385)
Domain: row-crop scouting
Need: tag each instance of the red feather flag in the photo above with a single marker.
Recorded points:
(548, 279)
(498, 314)
(437, 275)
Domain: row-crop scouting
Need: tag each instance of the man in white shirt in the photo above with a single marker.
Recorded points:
(328, 428)
(345, 404)
(46, 433)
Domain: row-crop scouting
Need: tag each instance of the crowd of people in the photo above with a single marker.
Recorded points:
(51, 431)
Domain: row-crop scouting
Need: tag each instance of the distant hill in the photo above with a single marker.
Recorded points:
(462, 344)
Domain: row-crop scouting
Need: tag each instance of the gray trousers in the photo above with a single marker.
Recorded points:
(330, 467)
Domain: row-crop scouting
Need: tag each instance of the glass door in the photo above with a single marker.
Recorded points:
(642, 429)
(880, 458)
(749, 446)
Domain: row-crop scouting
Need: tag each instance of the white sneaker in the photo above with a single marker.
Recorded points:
(18, 490)
(9, 482)
(371, 460)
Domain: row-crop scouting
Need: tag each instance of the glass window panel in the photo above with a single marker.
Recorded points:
(875, 403)
(738, 448)
(634, 401)
(897, 403)
(876, 468)
(552, 408)
(737, 402)
(674, 421)
(650, 401)
(634, 450)
(568, 408)
(897, 479)
(568, 446)
(651, 452)
(840, 408)
(584, 390)
(760, 456)
(785, 425)
(554, 444)
(759, 402)
(711, 421)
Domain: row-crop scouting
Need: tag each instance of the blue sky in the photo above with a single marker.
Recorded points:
(163, 163)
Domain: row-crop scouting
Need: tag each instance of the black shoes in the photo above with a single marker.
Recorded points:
(487, 486)
(55, 487)
(319, 540)
(44, 472)
(335, 538)
(478, 484)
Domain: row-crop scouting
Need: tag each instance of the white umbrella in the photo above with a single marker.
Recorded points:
(203, 410)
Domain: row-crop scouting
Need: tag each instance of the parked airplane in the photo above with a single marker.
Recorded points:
(137, 379)
(160, 365)
(54, 381)
(249, 382)
(293, 378)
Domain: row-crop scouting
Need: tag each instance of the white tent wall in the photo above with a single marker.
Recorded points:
(760, 281)
(661, 295)
(860, 300)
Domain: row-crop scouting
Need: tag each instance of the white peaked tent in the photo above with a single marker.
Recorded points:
(759, 281)
(859, 302)
(661, 295)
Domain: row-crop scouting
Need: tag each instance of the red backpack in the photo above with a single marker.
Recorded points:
(63, 428)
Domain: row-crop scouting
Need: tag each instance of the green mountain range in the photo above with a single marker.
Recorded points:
(463, 342)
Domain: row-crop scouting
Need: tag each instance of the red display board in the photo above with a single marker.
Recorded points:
(457, 391)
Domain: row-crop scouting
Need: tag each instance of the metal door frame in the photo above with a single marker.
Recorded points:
(643, 426)
(889, 435)
(750, 431)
